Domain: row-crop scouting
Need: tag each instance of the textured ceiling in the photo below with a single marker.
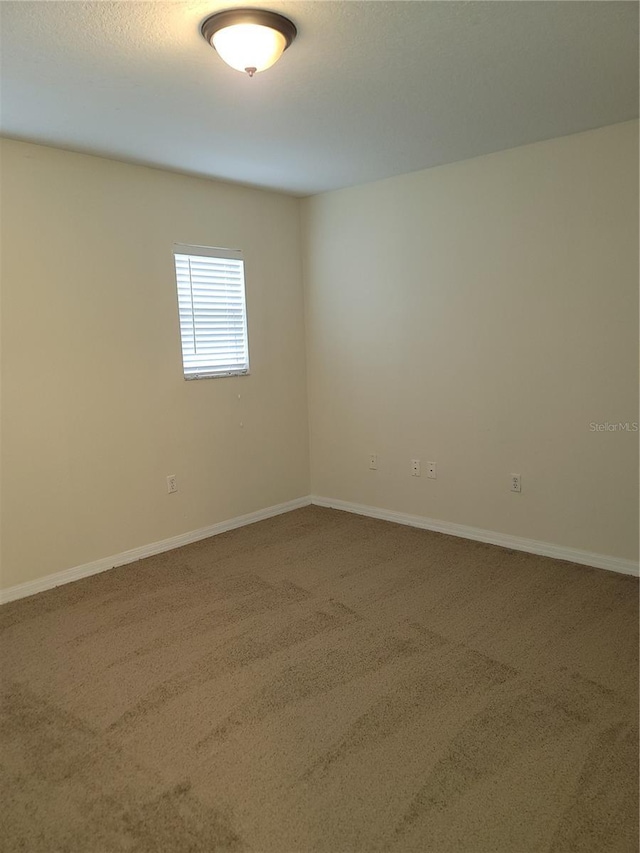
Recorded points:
(368, 90)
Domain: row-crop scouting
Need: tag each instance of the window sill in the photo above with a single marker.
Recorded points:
(195, 376)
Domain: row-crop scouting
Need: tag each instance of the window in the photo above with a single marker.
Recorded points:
(213, 315)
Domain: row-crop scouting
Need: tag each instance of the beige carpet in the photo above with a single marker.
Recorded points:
(324, 682)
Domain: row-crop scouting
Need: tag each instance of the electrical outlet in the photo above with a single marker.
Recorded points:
(415, 467)
(516, 483)
(431, 471)
(373, 461)
(172, 484)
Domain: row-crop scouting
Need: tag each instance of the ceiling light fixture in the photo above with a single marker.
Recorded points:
(249, 40)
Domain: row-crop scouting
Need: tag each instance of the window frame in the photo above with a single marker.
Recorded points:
(196, 251)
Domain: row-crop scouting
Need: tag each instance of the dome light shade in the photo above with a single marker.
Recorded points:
(249, 40)
(249, 46)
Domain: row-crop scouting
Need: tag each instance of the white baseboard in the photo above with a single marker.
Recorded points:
(22, 590)
(517, 543)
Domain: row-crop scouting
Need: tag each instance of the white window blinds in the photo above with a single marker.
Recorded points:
(213, 316)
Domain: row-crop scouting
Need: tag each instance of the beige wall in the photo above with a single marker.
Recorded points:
(482, 315)
(95, 409)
